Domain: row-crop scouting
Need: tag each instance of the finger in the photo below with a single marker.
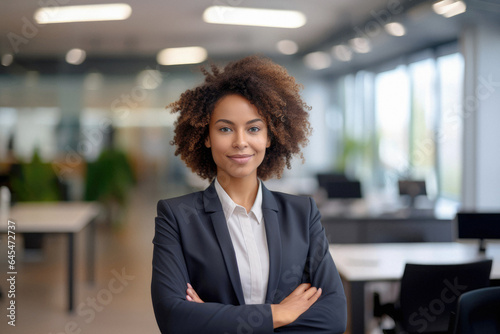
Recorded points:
(188, 297)
(194, 298)
(301, 288)
(198, 300)
(316, 296)
(191, 291)
(309, 292)
(193, 295)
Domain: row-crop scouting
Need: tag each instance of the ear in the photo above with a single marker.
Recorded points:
(268, 141)
(207, 142)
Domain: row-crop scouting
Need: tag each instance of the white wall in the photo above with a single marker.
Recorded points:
(481, 114)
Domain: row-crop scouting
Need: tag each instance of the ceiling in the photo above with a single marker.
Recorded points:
(158, 24)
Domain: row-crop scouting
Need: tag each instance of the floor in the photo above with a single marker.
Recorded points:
(122, 307)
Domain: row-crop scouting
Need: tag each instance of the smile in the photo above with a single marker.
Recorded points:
(240, 158)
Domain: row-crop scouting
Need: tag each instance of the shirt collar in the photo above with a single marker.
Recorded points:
(228, 204)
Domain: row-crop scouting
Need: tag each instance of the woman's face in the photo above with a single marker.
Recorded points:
(237, 137)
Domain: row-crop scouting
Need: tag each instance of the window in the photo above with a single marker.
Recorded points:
(411, 115)
(392, 109)
(423, 119)
(449, 136)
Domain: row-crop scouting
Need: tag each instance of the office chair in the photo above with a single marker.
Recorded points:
(478, 312)
(429, 293)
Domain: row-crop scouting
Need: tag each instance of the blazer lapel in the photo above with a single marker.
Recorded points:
(213, 207)
(270, 213)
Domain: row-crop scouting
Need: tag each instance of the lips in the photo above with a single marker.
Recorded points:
(240, 158)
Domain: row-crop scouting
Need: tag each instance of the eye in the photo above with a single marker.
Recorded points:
(224, 129)
(254, 129)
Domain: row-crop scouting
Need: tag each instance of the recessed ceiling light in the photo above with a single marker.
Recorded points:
(342, 52)
(179, 56)
(7, 59)
(449, 8)
(395, 29)
(317, 60)
(254, 17)
(360, 45)
(76, 56)
(86, 13)
(287, 47)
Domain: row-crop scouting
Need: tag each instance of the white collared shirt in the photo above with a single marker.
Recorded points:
(248, 234)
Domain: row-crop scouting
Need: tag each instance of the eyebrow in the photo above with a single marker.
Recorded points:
(232, 123)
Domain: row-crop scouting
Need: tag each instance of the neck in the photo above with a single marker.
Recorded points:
(242, 191)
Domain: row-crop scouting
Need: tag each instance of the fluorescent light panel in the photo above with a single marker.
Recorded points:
(449, 8)
(87, 13)
(254, 17)
(458, 7)
(179, 56)
(440, 6)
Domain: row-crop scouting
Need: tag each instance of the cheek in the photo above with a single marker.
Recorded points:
(265, 141)
(220, 144)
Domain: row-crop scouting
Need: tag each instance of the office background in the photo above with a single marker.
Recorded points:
(398, 90)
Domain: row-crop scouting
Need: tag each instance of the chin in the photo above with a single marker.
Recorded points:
(241, 174)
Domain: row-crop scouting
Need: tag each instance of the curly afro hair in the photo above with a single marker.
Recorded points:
(266, 85)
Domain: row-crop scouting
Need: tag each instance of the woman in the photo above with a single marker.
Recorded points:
(238, 258)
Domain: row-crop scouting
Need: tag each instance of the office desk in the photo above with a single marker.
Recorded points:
(356, 223)
(351, 230)
(359, 264)
(59, 217)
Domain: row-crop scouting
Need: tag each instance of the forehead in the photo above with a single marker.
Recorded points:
(235, 106)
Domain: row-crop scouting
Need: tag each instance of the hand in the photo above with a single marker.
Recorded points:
(294, 304)
(192, 296)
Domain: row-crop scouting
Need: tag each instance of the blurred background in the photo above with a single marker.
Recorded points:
(400, 90)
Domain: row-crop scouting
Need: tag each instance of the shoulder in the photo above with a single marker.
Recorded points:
(290, 198)
(192, 200)
(285, 201)
(296, 212)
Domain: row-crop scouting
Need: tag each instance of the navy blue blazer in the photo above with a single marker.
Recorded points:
(192, 244)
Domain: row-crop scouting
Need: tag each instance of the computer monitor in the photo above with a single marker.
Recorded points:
(343, 189)
(412, 188)
(324, 178)
(478, 225)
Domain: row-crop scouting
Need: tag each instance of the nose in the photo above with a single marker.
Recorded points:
(240, 140)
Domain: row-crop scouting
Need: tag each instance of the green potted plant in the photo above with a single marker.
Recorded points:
(108, 180)
(34, 181)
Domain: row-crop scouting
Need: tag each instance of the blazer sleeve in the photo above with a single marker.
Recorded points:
(174, 314)
(329, 313)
